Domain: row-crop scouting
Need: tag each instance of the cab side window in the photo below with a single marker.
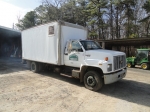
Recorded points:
(76, 46)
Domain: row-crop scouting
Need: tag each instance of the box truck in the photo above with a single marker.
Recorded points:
(65, 48)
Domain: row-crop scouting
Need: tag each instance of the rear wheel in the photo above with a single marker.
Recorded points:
(145, 66)
(34, 67)
(93, 81)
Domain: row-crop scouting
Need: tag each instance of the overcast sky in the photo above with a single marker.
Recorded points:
(10, 9)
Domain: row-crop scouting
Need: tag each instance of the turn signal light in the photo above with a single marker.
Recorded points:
(106, 58)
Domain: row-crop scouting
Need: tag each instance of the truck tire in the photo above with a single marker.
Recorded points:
(145, 66)
(93, 81)
(34, 67)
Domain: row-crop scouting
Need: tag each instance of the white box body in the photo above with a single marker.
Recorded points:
(46, 43)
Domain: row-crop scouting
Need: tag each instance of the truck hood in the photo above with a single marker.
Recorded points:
(101, 54)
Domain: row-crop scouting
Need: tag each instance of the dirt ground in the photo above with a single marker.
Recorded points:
(24, 91)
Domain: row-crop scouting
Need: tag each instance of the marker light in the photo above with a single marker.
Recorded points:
(106, 58)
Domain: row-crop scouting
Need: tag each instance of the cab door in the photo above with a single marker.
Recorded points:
(74, 54)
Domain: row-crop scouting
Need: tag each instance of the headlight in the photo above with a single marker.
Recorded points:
(109, 67)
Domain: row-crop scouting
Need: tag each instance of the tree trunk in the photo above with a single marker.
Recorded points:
(147, 29)
(102, 28)
(128, 32)
(117, 24)
(99, 22)
(119, 32)
(111, 21)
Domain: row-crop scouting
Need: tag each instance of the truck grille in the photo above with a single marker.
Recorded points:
(119, 62)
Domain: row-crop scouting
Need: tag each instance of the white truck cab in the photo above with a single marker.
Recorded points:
(110, 65)
(63, 47)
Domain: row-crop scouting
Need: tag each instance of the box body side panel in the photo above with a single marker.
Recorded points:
(39, 44)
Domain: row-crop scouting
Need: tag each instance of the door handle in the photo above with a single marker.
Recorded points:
(66, 53)
(88, 55)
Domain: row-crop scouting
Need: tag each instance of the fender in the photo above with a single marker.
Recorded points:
(85, 68)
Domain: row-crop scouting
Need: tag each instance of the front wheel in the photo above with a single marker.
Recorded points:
(145, 66)
(93, 81)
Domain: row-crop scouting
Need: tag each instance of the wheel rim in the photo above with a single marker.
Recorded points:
(129, 65)
(144, 66)
(91, 81)
(33, 67)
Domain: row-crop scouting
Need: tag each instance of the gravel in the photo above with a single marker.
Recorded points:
(24, 91)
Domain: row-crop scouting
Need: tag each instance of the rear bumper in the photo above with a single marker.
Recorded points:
(114, 77)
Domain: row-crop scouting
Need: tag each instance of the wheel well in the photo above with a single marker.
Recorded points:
(85, 69)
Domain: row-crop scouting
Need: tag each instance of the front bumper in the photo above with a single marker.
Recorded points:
(114, 77)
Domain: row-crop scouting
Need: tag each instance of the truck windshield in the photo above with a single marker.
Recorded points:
(90, 45)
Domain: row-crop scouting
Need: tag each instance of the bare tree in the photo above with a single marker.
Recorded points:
(54, 5)
(18, 21)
